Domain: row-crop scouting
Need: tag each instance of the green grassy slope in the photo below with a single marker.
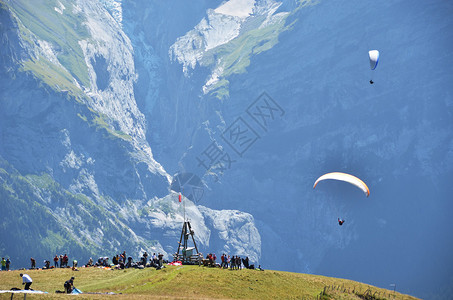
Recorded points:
(196, 282)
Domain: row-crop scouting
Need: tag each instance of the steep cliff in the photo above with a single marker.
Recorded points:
(309, 60)
(77, 169)
(109, 108)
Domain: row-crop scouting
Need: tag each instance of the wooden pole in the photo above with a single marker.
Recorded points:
(193, 238)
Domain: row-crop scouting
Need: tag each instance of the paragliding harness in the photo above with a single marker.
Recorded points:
(340, 222)
(371, 81)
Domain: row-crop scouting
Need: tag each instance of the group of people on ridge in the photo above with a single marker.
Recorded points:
(63, 259)
(234, 262)
(119, 261)
(58, 261)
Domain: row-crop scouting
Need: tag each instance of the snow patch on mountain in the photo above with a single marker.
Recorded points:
(237, 8)
(214, 30)
(220, 26)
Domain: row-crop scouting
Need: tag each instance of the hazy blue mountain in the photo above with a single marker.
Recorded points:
(105, 106)
(77, 172)
(396, 134)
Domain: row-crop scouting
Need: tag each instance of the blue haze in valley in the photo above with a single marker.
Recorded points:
(397, 135)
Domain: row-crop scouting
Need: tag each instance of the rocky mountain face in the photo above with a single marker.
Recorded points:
(260, 98)
(77, 171)
(109, 108)
(194, 82)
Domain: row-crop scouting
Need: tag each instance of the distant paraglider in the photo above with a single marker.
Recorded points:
(374, 59)
(346, 178)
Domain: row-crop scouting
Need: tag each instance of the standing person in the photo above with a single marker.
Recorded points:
(238, 262)
(55, 261)
(3, 264)
(145, 256)
(8, 262)
(233, 263)
(65, 260)
(26, 280)
(161, 259)
(222, 258)
(33, 263)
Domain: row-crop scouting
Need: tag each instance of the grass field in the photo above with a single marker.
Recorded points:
(193, 282)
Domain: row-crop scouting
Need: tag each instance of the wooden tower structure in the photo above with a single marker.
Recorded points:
(188, 255)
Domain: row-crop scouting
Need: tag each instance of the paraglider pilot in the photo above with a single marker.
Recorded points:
(26, 279)
(340, 222)
(69, 285)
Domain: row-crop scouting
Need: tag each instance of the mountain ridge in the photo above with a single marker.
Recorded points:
(75, 140)
(201, 282)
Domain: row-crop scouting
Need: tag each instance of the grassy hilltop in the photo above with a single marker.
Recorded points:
(194, 282)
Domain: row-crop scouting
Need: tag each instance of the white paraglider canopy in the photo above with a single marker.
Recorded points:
(374, 58)
(346, 178)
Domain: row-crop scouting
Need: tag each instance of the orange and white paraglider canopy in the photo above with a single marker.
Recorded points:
(346, 178)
